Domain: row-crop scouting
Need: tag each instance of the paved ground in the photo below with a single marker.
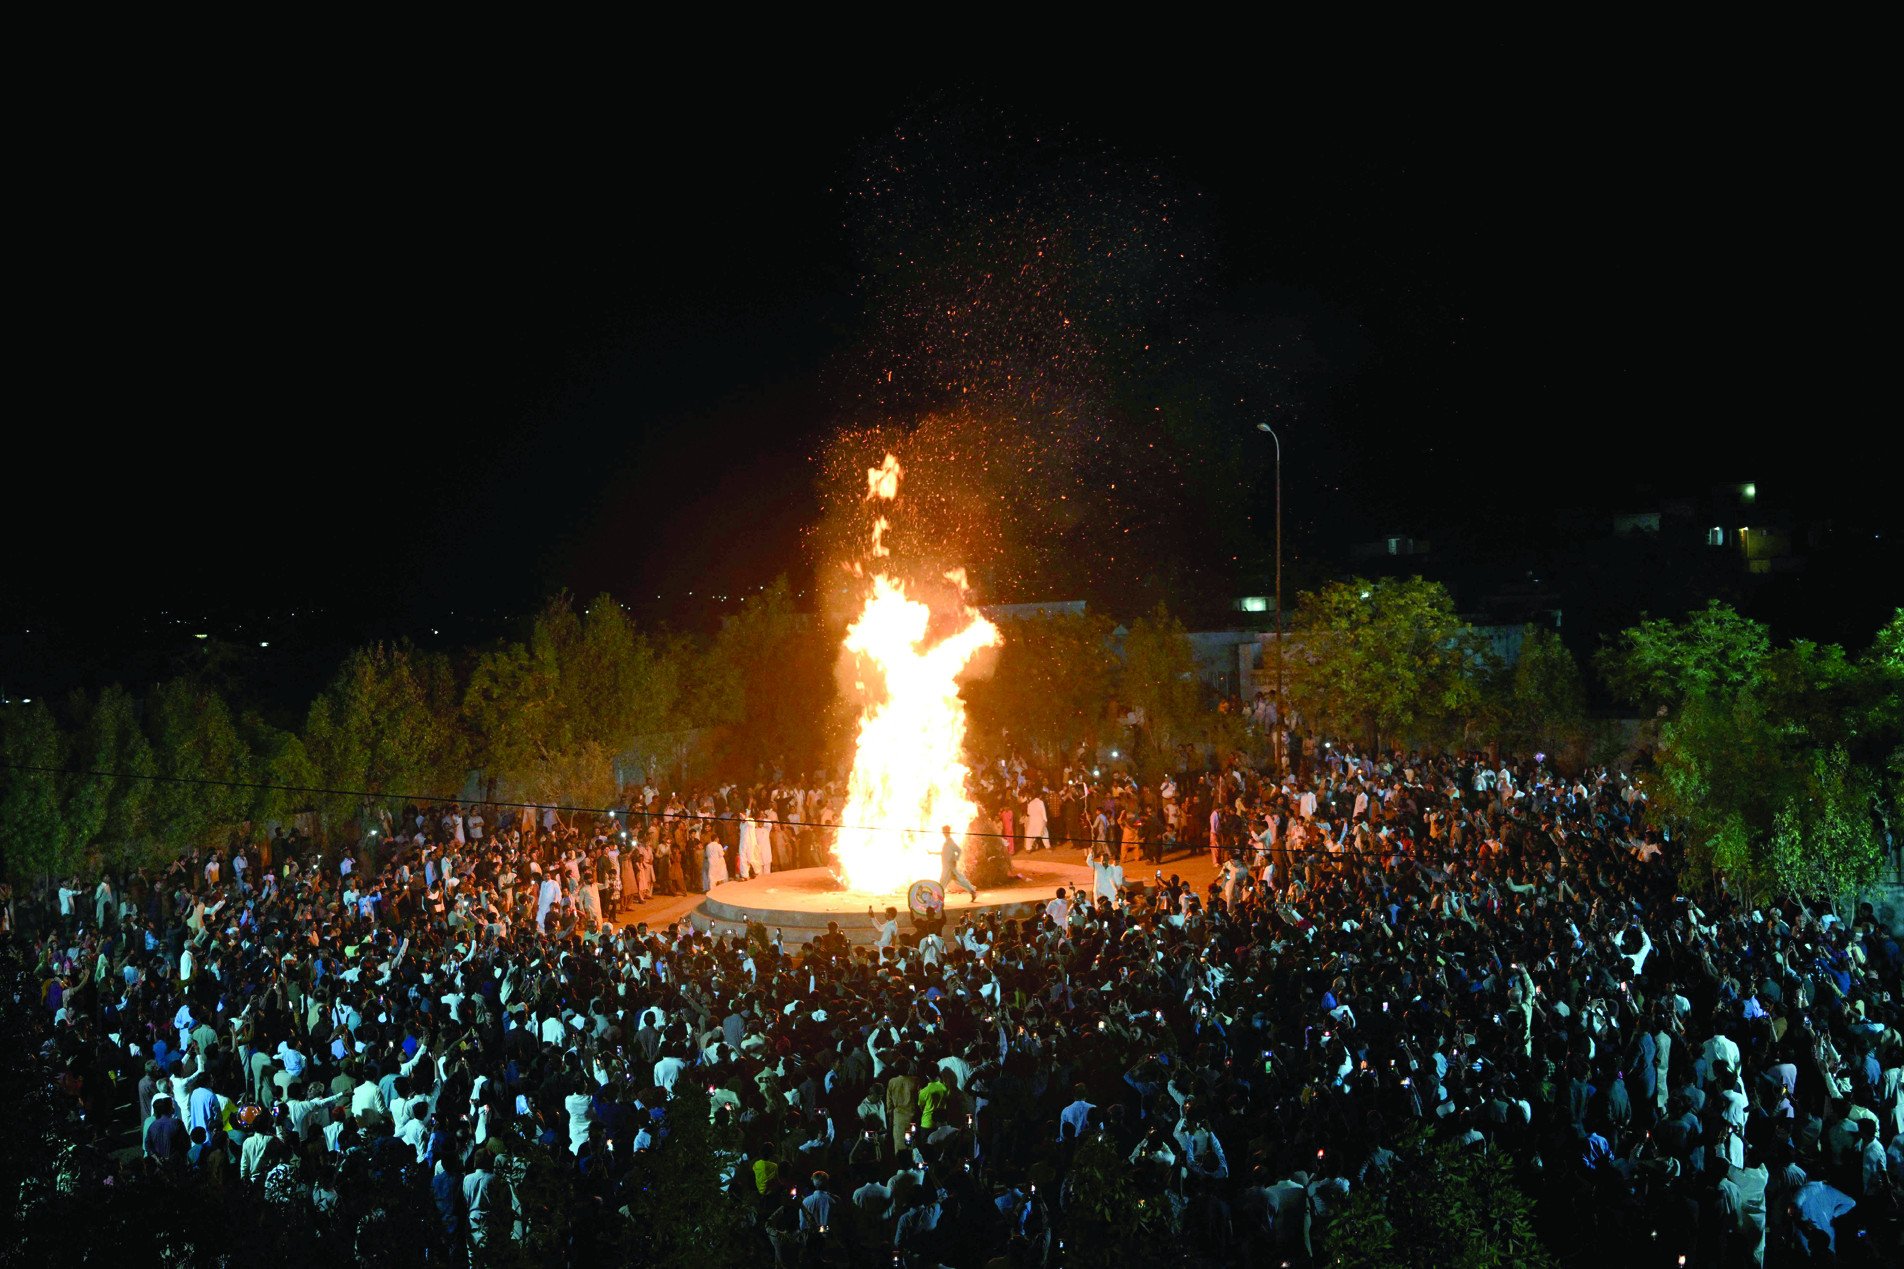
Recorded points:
(1195, 868)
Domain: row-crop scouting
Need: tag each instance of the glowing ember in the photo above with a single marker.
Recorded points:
(909, 770)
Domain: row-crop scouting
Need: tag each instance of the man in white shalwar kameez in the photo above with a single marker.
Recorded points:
(763, 847)
(546, 895)
(1037, 824)
(749, 861)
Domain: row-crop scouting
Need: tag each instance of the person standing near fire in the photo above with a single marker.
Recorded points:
(949, 864)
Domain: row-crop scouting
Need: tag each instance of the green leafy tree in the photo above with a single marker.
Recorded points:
(767, 681)
(679, 1212)
(1117, 1213)
(329, 756)
(1444, 1207)
(109, 795)
(1160, 681)
(623, 684)
(1824, 840)
(1540, 702)
(550, 715)
(1377, 658)
(508, 707)
(88, 786)
(268, 745)
(34, 839)
(1777, 773)
(389, 725)
(1051, 684)
(1882, 668)
(198, 750)
(1659, 663)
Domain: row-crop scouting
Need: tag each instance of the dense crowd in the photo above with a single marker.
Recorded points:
(1488, 951)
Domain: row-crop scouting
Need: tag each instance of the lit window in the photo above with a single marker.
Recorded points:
(1253, 603)
(1394, 546)
(1715, 536)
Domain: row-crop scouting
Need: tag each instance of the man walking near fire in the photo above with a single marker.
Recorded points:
(949, 864)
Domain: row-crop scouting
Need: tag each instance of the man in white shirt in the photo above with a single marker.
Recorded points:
(1059, 909)
(1037, 824)
(414, 1131)
(1077, 1116)
(667, 1071)
(888, 929)
(299, 1111)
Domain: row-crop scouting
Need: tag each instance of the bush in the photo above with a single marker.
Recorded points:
(1445, 1207)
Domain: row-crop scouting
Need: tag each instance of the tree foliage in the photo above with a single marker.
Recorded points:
(767, 682)
(1376, 658)
(549, 715)
(1159, 681)
(1660, 663)
(680, 1214)
(1445, 1206)
(33, 836)
(199, 755)
(1051, 683)
(1116, 1213)
(1539, 704)
(1772, 761)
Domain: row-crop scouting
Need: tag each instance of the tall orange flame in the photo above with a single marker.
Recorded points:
(909, 772)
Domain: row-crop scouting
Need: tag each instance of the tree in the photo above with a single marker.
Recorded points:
(1117, 1215)
(1661, 663)
(1775, 774)
(198, 751)
(387, 726)
(767, 680)
(108, 801)
(328, 756)
(553, 713)
(88, 786)
(1374, 658)
(680, 1214)
(1445, 1206)
(623, 684)
(1882, 668)
(268, 746)
(507, 707)
(1824, 839)
(1540, 702)
(33, 835)
(1049, 688)
(1160, 682)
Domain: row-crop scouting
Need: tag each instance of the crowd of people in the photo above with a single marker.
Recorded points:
(1491, 952)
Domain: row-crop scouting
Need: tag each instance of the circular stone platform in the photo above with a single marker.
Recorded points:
(800, 903)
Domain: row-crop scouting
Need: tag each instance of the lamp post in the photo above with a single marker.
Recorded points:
(1281, 706)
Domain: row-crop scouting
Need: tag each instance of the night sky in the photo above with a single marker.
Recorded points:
(390, 374)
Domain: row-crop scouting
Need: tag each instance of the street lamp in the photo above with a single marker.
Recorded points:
(1281, 706)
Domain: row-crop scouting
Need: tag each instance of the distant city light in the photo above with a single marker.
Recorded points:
(1366, 594)
(264, 643)
(201, 636)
